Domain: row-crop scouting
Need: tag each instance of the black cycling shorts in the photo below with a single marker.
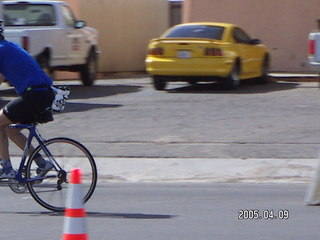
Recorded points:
(28, 106)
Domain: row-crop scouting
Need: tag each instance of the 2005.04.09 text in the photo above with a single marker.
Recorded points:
(255, 214)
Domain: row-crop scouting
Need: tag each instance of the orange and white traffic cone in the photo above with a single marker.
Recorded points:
(74, 219)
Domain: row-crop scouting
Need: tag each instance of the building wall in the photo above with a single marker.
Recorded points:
(175, 12)
(282, 25)
(125, 28)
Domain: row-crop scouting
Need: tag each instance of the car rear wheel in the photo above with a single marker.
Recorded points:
(233, 80)
(159, 83)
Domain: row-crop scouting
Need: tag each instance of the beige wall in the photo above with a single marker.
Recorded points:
(125, 28)
(283, 25)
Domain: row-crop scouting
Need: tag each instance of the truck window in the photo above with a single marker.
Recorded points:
(29, 15)
(68, 16)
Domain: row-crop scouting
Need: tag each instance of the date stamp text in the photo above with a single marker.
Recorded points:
(267, 214)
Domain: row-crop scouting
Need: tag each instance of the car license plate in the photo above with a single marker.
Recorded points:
(184, 54)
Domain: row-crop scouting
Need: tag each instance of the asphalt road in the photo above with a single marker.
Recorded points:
(254, 133)
(127, 118)
(172, 211)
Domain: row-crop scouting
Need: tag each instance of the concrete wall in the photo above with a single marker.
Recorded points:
(282, 25)
(125, 28)
(175, 12)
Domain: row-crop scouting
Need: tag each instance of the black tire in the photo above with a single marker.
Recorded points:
(88, 71)
(51, 192)
(233, 80)
(43, 61)
(265, 68)
(193, 82)
(159, 83)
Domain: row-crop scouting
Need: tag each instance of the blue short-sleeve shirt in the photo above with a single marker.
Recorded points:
(20, 68)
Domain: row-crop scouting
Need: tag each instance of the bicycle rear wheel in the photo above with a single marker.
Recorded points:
(67, 154)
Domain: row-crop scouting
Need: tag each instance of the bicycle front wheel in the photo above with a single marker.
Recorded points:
(65, 154)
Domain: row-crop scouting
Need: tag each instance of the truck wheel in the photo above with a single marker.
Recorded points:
(88, 71)
(43, 61)
(159, 83)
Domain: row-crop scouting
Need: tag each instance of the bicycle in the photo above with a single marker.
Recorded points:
(50, 190)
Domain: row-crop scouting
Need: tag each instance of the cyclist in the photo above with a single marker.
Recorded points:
(35, 96)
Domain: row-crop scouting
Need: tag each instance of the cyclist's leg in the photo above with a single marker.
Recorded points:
(18, 138)
(4, 144)
(25, 109)
(14, 112)
(7, 170)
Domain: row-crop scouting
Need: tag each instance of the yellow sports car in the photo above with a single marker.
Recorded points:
(206, 51)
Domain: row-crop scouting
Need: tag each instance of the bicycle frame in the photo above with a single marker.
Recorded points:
(33, 133)
(54, 181)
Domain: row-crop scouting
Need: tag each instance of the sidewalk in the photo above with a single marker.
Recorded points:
(295, 77)
(206, 170)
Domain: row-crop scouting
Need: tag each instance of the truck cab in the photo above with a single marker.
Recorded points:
(49, 31)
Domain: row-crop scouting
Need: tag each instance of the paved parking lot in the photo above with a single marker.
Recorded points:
(193, 133)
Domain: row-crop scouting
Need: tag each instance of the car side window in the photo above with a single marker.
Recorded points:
(240, 36)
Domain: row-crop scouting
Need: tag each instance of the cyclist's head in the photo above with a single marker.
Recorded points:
(1, 29)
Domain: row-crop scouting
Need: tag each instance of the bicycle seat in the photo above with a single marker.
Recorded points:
(45, 116)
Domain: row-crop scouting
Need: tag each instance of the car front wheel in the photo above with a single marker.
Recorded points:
(264, 71)
(159, 83)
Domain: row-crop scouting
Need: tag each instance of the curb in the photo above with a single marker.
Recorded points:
(206, 170)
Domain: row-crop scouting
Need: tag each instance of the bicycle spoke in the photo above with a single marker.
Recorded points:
(68, 154)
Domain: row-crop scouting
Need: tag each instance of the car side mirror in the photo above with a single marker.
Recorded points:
(255, 41)
(79, 24)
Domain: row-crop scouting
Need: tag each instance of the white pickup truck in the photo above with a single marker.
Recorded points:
(49, 31)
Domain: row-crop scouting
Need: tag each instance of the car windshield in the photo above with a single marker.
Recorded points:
(29, 15)
(196, 31)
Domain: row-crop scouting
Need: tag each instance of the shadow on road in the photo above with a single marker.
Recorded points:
(82, 107)
(96, 215)
(246, 87)
(86, 92)
(96, 91)
(128, 215)
(83, 92)
(76, 106)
